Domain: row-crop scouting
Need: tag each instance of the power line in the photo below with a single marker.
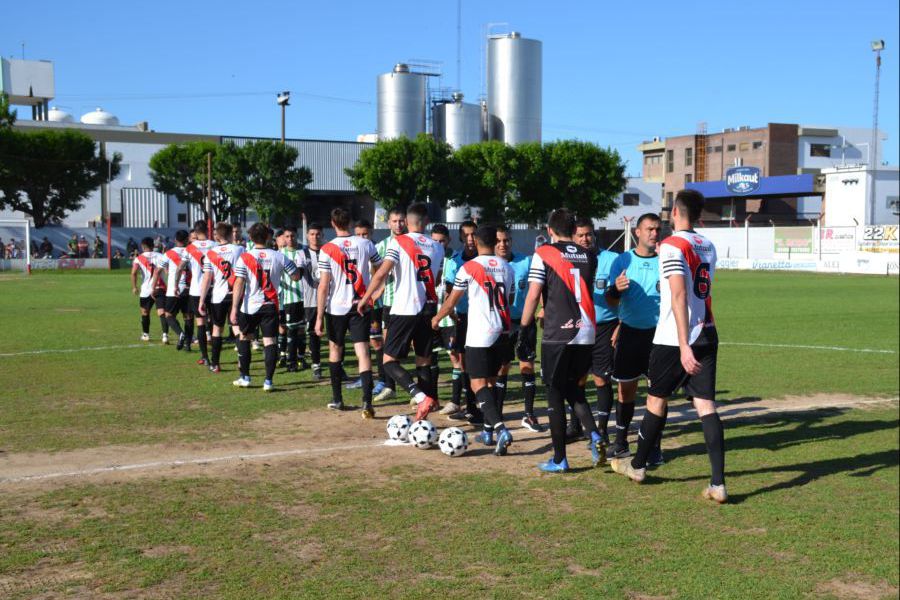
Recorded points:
(205, 95)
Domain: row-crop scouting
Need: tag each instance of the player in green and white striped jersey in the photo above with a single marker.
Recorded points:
(397, 225)
(290, 294)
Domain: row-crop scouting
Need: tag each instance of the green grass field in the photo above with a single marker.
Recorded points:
(814, 509)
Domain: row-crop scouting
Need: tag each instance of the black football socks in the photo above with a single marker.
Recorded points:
(714, 434)
(270, 354)
(604, 407)
(651, 428)
(528, 386)
(624, 414)
(556, 410)
(145, 324)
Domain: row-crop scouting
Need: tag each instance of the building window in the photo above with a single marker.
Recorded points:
(893, 204)
(688, 178)
(718, 149)
(820, 150)
(730, 148)
(631, 199)
(670, 161)
(653, 160)
(182, 217)
(668, 200)
(688, 157)
(757, 145)
(745, 146)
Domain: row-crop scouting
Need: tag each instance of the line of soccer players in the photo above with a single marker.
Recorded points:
(615, 317)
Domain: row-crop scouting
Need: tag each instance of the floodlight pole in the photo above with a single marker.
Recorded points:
(209, 215)
(877, 47)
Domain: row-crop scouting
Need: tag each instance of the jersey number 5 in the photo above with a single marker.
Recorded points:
(351, 271)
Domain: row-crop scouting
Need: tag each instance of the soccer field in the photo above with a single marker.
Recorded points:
(128, 471)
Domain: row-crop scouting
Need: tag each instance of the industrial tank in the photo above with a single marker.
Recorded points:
(401, 103)
(99, 117)
(457, 123)
(514, 88)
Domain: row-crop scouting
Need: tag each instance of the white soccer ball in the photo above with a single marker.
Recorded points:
(398, 427)
(453, 441)
(422, 434)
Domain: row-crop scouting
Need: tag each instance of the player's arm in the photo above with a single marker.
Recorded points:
(447, 307)
(678, 287)
(204, 289)
(620, 286)
(531, 302)
(321, 298)
(290, 268)
(134, 270)
(237, 296)
(376, 286)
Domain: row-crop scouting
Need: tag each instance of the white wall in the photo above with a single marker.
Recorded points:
(848, 194)
(858, 141)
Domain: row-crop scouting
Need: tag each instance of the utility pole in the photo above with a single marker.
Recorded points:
(458, 45)
(877, 47)
(209, 215)
(283, 100)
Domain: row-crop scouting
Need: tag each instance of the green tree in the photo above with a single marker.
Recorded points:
(264, 176)
(535, 196)
(486, 179)
(48, 174)
(181, 171)
(402, 171)
(584, 177)
(7, 116)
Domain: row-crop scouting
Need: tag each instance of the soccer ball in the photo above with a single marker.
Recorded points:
(453, 441)
(422, 434)
(398, 427)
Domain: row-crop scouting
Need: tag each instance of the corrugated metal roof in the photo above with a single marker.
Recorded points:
(326, 159)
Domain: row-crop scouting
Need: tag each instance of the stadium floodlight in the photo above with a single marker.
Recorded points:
(284, 100)
(25, 238)
(877, 45)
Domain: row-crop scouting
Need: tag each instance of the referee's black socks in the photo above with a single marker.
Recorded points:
(714, 434)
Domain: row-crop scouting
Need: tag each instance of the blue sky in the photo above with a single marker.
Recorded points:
(614, 73)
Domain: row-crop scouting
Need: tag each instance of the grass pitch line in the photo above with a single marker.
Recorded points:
(185, 461)
(803, 347)
(70, 350)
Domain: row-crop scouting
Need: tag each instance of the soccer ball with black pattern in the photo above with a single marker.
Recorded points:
(398, 428)
(453, 441)
(422, 434)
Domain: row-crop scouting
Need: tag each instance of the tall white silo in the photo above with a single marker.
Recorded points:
(514, 79)
(401, 103)
(458, 123)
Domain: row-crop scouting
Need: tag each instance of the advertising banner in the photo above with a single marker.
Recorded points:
(793, 240)
(835, 240)
(880, 238)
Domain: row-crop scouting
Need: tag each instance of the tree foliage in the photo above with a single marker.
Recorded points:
(486, 178)
(181, 171)
(584, 177)
(263, 175)
(7, 115)
(401, 171)
(48, 174)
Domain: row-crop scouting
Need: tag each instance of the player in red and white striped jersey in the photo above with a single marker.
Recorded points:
(489, 283)
(151, 290)
(345, 267)
(218, 274)
(257, 275)
(196, 251)
(177, 288)
(685, 345)
(415, 261)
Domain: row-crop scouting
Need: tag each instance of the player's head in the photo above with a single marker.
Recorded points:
(561, 224)
(397, 221)
(687, 207)
(236, 233)
(467, 235)
(584, 233)
(340, 219)
(147, 244)
(417, 217)
(647, 231)
(289, 237)
(259, 233)
(363, 228)
(503, 249)
(486, 239)
(199, 229)
(181, 237)
(441, 235)
(223, 232)
(314, 235)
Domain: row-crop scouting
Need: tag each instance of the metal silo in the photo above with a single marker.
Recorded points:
(457, 123)
(514, 88)
(401, 103)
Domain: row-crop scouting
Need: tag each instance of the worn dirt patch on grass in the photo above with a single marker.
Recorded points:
(854, 588)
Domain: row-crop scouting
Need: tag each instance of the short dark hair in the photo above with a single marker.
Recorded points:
(486, 235)
(440, 229)
(200, 225)
(224, 230)
(279, 233)
(259, 233)
(289, 228)
(562, 222)
(314, 225)
(398, 210)
(182, 236)
(691, 201)
(467, 224)
(417, 210)
(364, 223)
(584, 222)
(341, 218)
(147, 243)
(502, 228)
(646, 217)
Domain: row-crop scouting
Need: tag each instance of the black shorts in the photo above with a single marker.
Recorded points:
(194, 304)
(385, 317)
(356, 324)
(293, 315)
(602, 356)
(219, 313)
(447, 335)
(632, 355)
(562, 363)
(177, 304)
(666, 375)
(146, 302)
(375, 328)
(266, 319)
(311, 314)
(462, 325)
(509, 349)
(410, 329)
(482, 363)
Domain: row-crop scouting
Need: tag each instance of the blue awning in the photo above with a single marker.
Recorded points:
(779, 186)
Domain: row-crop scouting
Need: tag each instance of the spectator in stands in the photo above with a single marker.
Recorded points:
(34, 248)
(82, 248)
(12, 249)
(98, 247)
(73, 246)
(131, 247)
(45, 250)
(2, 249)
(117, 253)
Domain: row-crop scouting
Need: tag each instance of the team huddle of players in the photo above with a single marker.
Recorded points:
(617, 318)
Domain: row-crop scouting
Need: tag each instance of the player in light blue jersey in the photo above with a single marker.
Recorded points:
(607, 322)
(523, 341)
(635, 293)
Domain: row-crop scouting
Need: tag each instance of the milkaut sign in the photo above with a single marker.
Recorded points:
(742, 180)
